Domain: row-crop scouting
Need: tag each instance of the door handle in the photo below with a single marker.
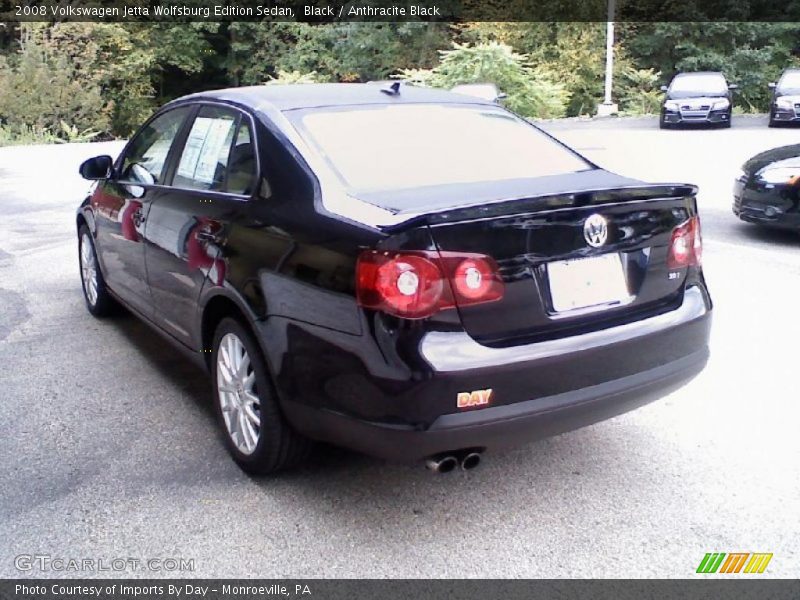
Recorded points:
(207, 236)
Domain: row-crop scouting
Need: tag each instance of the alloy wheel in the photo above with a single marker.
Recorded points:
(88, 269)
(237, 394)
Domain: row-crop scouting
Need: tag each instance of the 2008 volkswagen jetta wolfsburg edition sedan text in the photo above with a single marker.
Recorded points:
(410, 273)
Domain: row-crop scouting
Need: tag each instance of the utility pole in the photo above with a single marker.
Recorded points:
(608, 108)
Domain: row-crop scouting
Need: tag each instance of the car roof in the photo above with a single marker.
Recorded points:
(312, 95)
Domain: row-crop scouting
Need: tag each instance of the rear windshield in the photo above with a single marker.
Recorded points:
(688, 86)
(381, 148)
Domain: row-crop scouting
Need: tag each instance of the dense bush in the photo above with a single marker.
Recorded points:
(287, 77)
(39, 92)
(25, 135)
(529, 94)
(88, 76)
(639, 91)
(336, 51)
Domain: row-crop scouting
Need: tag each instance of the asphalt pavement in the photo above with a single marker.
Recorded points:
(109, 448)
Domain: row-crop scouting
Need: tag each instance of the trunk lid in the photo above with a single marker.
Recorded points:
(541, 247)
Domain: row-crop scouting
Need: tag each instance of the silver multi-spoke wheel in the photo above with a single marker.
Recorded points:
(237, 394)
(257, 435)
(88, 269)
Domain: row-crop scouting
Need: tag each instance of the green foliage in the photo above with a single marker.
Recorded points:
(529, 93)
(639, 92)
(365, 51)
(24, 135)
(256, 49)
(103, 79)
(72, 134)
(99, 68)
(183, 47)
(420, 77)
(749, 54)
(336, 51)
(286, 77)
(181, 58)
(39, 89)
(574, 55)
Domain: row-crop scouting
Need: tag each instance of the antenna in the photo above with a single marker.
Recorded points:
(392, 89)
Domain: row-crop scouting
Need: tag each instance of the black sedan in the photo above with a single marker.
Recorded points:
(785, 105)
(701, 98)
(766, 189)
(410, 273)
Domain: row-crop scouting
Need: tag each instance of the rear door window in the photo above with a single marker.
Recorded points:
(241, 163)
(218, 154)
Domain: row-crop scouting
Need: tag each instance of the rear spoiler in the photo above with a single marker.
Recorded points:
(574, 199)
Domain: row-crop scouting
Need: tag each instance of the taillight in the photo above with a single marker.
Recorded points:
(686, 245)
(406, 285)
(415, 285)
(475, 279)
(698, 242)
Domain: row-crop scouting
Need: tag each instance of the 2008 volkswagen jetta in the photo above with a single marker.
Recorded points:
(410, 273)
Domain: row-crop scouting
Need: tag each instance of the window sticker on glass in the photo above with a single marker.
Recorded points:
(205, 155)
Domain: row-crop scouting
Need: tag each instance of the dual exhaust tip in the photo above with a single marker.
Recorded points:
(444, 463)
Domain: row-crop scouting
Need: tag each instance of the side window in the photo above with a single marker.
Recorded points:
(146, 156)
(242, 163)
(218, 155)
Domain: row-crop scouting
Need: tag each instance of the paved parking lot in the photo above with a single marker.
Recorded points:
(109, 447)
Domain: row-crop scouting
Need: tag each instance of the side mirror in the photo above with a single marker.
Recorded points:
(772, 85)
(97, 168)
(663, 88)
(733, 86)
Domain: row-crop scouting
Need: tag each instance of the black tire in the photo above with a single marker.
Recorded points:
(278, 446)
(663, 124)
(100, 303)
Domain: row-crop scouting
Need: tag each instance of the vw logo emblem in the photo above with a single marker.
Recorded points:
(595, 230)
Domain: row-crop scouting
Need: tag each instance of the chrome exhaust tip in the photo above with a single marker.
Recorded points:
(470, 461)
(441, 464)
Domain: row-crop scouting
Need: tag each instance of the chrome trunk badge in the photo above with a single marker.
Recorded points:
(595, 230)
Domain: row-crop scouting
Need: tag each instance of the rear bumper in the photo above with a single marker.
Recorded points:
(501, 426)
(570, 383)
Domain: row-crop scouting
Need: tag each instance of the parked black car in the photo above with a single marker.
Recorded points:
(785, 105)
(407, 272)
(702, 98)
(766, 190)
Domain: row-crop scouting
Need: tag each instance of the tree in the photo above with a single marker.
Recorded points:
(86, 60)
(367, 51)
(528, 93)
(638, 91)
(41, 88)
